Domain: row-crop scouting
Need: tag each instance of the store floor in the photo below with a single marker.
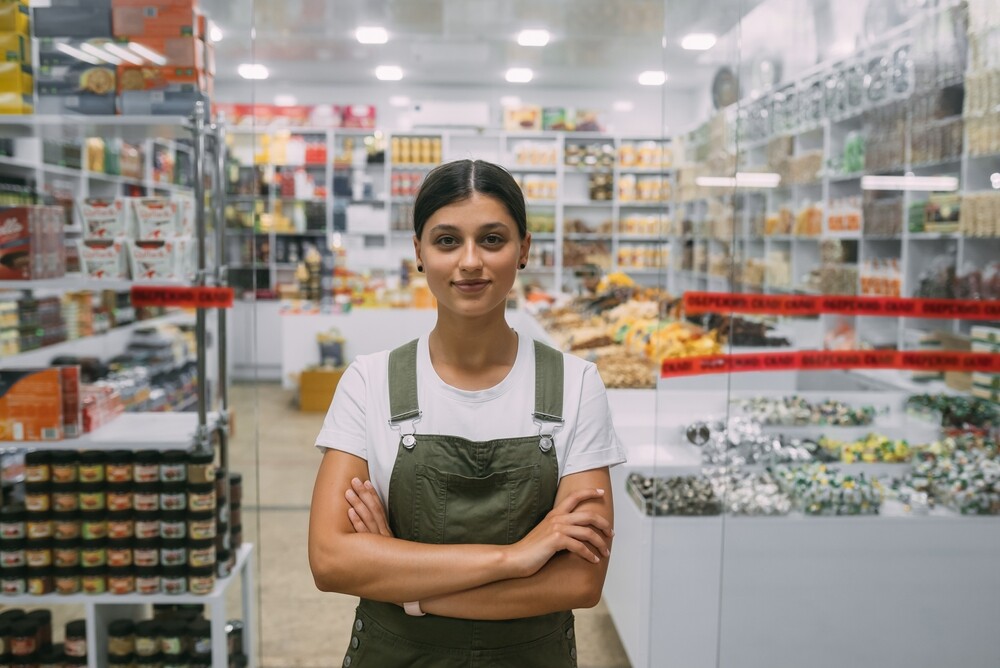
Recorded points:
(300, 626)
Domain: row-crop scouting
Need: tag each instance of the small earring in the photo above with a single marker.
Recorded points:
(522, 265)
(420, 268)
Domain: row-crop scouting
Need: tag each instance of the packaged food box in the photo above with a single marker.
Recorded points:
(102, 218)
(358, 116)
(76, 78)
(187, 258)
(103, 258)
(156, 19)
(16, 78)
(22, 243)
(160, 102)
(89, 105)
(185, 215)
(152, 218)
(134, 77)
(982, 334)
(72, 401)
(14, 17)
(15, 103)
(316, 388)
(15, 48)
(31, 405)
(154, 260)
(176, 51)
(88, 18)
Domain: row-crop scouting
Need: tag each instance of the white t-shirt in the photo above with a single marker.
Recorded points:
(358, 419)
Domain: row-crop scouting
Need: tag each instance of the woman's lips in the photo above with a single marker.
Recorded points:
(470, 287)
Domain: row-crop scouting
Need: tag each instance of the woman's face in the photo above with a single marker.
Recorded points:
(470, 251)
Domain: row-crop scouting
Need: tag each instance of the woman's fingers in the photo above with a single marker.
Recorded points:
(368, 506)
(592, 519)
(356, 521)
(587, 535)
(361, 510)
(579, 549)
(570, 503)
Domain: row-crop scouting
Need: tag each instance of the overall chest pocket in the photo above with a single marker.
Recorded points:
(497, 509)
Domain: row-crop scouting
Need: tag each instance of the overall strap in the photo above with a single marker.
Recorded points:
(403, 383)
(548, 384)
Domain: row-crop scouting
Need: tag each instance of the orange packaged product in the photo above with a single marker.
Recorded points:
(154, 20)
(134, 77)
(31, 405)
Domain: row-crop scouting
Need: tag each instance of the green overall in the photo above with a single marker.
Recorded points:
(446, 489)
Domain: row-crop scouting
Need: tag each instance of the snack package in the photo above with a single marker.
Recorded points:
(102, 218)
(187, 258)
(31, 405)
(185, 215)
(153, 218)
(25, 242)
(103, 258)
(154, 260)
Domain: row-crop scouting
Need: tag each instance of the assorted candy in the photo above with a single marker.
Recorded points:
(957, 412)
(874, 448)
(750, 494)
(685, 495)
(821, 490)
(797, 411)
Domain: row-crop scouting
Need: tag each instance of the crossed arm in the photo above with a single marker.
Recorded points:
(559, 565)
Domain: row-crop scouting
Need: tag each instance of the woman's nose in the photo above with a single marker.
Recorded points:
(470, 260)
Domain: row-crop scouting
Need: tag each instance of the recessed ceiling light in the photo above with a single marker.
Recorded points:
(519, 75)
(371, 35)
(653, 78)
(510, 101)
(388, 73)
(624, 105)
(148, 53)
(215, 32)
(285, 100)
(124, 54)
(253, 71)
(399, 101)
(533, 37)
(698, 41)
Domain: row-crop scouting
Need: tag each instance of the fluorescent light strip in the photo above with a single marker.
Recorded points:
(740, 180)
(124, 54)
(652, 78)
(371, 35)
(519, 75)
(910, 182)
(533, 37)
(100, 53)
(215, 32)
(388, 73)
(78, 54)
(253, 71)
(148, 54)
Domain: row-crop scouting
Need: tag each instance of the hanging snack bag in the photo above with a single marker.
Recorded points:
(103, 258)
(155, 218)
(102, 218)
(154, 260)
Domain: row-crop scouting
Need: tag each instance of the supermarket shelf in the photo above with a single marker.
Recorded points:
(541, 202)
(649, 238)
(545, 169)
(934, 236)
(646, 205)
(595, 236)
(132, 431)
(30, 167)
(78, 283)
(588, 203)
(68, 126)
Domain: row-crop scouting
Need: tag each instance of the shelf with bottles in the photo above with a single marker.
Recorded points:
(417, 151)
(531, 155)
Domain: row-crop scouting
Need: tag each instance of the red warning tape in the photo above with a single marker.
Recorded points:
(153, 295)
(824, 360)
(733, 302)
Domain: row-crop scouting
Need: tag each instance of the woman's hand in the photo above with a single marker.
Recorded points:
(564, 528)
(366, 512)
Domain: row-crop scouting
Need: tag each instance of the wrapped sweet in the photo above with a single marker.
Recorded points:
(822, 490)
(798, 411)
(685, 495)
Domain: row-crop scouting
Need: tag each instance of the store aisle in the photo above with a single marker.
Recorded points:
(300, 626)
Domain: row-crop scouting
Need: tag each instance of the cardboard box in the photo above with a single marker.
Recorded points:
(77, 78)
(180, 79)
(316, 388)
(102, 218)
(103, 258)
(21, 253)
(956, 380)
(31, 405)
(151, 218)
(160, 102)
(14, 17)
(185, 52)
(16, 103)
(153, 260)
(81, 20)
(72, 402)
(156, 20)
(16, 78)
(90, 105)
(15, 48)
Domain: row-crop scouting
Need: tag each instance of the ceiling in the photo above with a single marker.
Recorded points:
(596, 44)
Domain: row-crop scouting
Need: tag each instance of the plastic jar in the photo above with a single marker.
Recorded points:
(67, 580)
(118, 467)
(119, 497)
(37, 466)
(173, 497)
(121, 638)
(199, 633)
(147, 525)
(66, 553)
(40, 581)
(201, 553)
(173, 525)
(121, 526)
(222, 538)
(65, 497)
(76, 639)
(235, 488)
(38, 553)
(126, 661)
(173, 552)
(93, 496)
(147, 638)
(173, 580)
(24, 638)
(38, 497)
(221, 482)
(172, 638)
(39, 526)
(147, 580)
(146, 466)
(91, 466)
(201, 581)
(201, 468)
(12, 522)
(146, 497)
(94, 553)
(42, 619)
(236, 515)
(120, 553)
(93, 525)
(64, 467)
(146, 552)
(201, 498)
(12, 553)
(14, 581)
(173, 466)
(67, 526)
(94, 581)
(201, 525)
(121, 581)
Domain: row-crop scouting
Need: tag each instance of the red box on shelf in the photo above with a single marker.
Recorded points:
(31, 405)
(30, 237)
(359, 116)
(135, 77)
(156, 19)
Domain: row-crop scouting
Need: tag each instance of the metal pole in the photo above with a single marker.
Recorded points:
(221, 279)
(202, 441)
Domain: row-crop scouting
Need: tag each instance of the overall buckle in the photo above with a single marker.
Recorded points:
(407, 430)
(546, 433)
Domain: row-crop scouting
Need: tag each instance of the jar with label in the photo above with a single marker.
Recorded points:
(235, 488)
(42, 619)
(201, 498)
(173, 496)
(147, 525)
(173, 525)
(38, 553)
(24, 638)
(12, 522)
(147, 638)
(146, 552)
(40, 581)
(146, 497)
(201, 580)
(12, 553)
(120, 553)
(67, 526)
(173, 580)
(65, 497)
(127, 661)
(236, 515)
(201, 525)
(94, 553)
(221, 483)
(39, 526)
(66, 553)
(199, 633)
(201, 553)
(173, 466)
(118, 467)
(94, 524)
(94, 580)
(93, 496)
(121, 525)
(38, 497)
(237, 535)
(121, 638)
(37, 466)
(146, 466)
(64, 468)
(222, 511)
(121, 581)
(91, 467)
(120, 497)
(173, 552)
(14, 581)
(222, 538)
(172, 637)
(147, 580)
(76, 639)
(68, 580)
(201, 468)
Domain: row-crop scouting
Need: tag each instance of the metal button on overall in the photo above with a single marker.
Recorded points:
(355, 642)
(347, 662)
(359, 625)
(569, 634)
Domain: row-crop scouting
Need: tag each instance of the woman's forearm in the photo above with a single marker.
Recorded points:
(566, 582)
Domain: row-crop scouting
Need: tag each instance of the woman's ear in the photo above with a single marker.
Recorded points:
(416, 250)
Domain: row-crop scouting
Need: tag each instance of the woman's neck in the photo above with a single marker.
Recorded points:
(472, 353)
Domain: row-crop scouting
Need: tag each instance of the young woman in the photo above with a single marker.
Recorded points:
(464, 492)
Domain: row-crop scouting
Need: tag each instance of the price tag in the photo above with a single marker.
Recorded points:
(178, 297)
(826, 360)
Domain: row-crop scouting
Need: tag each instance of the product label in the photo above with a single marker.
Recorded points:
(102, 219)
(147, 557)
(155, 218)
(12, 530)
(182, 297)
(102, 259)
(153, 260)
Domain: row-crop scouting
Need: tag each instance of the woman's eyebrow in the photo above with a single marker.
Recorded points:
(444, 227)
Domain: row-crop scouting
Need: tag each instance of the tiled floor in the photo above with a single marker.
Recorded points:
(299, 625)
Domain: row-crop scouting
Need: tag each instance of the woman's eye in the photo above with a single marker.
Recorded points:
(446, 241)
(493, 239)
